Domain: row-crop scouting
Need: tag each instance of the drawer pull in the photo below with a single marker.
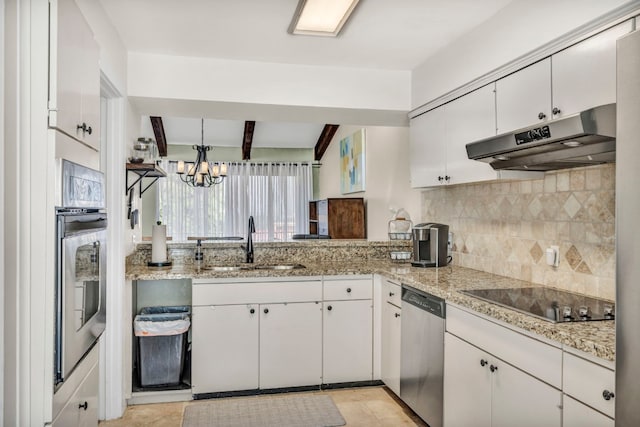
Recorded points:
(84, 405)
(266, 310)
(348, 290)
(608, 395)
(329, 308)
(253, 310)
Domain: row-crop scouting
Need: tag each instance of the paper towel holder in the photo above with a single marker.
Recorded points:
(166, 263)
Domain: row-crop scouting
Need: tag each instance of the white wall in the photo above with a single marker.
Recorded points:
(387, 175)
(515, 30)
(2, 334)
(175, 77)
(113, 54)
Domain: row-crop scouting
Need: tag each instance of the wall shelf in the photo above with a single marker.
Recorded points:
(143, 170)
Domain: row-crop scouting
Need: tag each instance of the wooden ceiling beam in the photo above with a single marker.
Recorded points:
(158, 131)
(247, 139)
(324, 140)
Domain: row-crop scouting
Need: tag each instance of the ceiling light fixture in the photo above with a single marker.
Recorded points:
(321, 17)
(202, 173)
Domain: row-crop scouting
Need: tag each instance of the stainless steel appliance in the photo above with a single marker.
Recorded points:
(627, 393)
(422, 354)
(430, 245)
(81, 266)
(583, 139)
(550, 304)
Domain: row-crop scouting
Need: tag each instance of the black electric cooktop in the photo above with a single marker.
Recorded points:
(549, 304)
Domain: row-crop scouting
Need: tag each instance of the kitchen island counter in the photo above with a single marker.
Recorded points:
(596, 338)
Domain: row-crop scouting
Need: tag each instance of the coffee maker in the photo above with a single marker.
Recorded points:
(430, 245)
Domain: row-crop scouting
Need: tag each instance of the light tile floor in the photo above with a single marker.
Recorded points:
(360, 407)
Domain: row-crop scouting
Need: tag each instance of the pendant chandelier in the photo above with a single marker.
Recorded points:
(202, 173)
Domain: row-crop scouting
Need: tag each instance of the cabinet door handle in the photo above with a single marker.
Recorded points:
(253, 310)
(608, 395)
(84, 128)
(266, 310)
(483, 362)
(440, 179)
(84, 405)
(447, 178)
(391, 294)
(348, 290)
(556, 110)
(493, 368)
(542, 115)
(329, 308)
(396, 314)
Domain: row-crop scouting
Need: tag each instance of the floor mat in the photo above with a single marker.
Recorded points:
(277, 411)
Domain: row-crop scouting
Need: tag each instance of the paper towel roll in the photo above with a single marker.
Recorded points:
(159, 243)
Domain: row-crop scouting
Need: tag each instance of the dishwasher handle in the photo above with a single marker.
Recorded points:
(424, 301)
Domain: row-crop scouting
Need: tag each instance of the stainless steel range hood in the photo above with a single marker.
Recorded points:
(582, 139)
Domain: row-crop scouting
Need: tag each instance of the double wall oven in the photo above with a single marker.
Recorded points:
(80, 297)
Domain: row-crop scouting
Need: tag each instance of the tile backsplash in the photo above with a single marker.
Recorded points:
(505, 227)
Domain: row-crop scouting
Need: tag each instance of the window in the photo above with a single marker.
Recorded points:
(275, 194)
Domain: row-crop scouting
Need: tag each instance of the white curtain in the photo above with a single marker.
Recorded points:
(275, 194)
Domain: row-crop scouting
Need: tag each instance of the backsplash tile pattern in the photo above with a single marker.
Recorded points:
(299, 251)
(505, 227)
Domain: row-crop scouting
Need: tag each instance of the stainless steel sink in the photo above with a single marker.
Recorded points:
(227, 267)
(223, 268)
(279, 267)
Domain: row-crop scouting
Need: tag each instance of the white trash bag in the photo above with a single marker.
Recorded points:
(160, 325)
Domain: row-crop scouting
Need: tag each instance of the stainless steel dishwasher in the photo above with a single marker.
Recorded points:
(422, 354)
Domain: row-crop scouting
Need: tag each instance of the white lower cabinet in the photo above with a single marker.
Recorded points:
(496, 376)
(290, 345)
(254, 334)
(347, 350)
(482, 390)
(251, 346)
(347, 329)
(589, 389)
(576, 414)
(261, 334)
(225, 348)
(391, 321)
(467, 385)
(82, 409)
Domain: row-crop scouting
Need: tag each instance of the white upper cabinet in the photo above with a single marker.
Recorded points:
(438, 140)
(584, 75)
(469, 118)
(524, 97)
(577, 78)
(427, 145)
(74, 74)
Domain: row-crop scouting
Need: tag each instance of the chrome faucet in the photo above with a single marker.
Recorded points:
(251, 228)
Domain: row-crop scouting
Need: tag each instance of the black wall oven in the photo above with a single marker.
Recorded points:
(80, 297)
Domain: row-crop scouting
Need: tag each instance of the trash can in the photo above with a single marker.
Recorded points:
(172, 309)
(161, 344)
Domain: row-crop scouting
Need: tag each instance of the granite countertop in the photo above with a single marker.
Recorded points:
(596, 338)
